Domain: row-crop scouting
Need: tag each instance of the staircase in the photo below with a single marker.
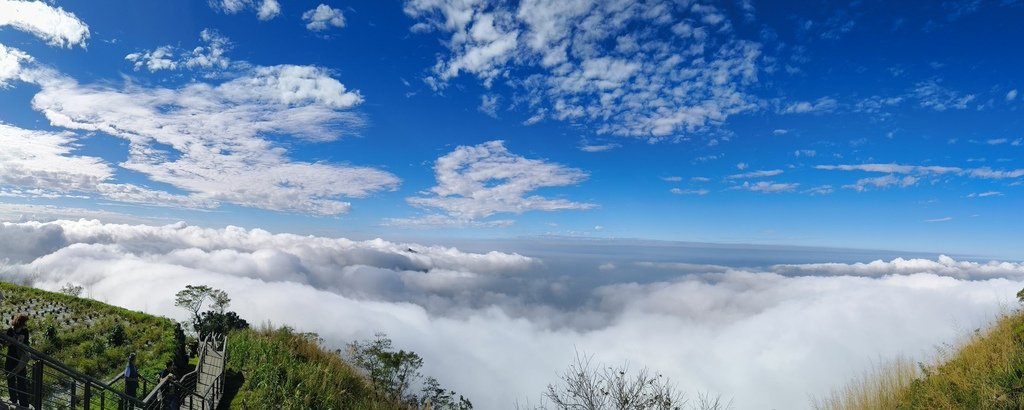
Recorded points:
(54, 385)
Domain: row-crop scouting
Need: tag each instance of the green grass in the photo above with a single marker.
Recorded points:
(293, 371)
(985, 372)
(83, 333)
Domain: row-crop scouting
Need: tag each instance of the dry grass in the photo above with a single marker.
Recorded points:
(882, 387)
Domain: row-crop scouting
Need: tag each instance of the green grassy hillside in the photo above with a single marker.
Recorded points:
(985, 372)
(92, 337)
(293, 371)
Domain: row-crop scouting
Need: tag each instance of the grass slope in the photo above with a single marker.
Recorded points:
(79, 331)
(984, 373)
(293, 371)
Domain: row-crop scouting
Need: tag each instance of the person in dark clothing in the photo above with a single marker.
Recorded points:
(17, 361)
(169, 393)
(131, 377)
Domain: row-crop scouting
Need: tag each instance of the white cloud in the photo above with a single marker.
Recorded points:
(943, 219)
(583, 60)
(43, 160)
(768, 187)
(741, 166)
(268, 9)
(882, 182)
(10, 64)
(598, 147)
(996, 141)
(823, 104)
(1011, 95)
(984, 194)
(672, 179)
(819, 190)
(780, 131)
(989, 173)
(805, 153)
(209, 57)
(939, 98)
(480, 181)
(893, 168)
(679, 191)
(58, 27)
(323, 17)
(756, 174)
(492, 329)
(265, 9)
(207, 140)
(700, 179)
(489, 104)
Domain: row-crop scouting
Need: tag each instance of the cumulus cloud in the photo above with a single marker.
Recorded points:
(476, 182)
(584, 60)
(210, 56)
(497, 326)
(1011, 95)
(58, 27)
(323, 17)
(265, 9)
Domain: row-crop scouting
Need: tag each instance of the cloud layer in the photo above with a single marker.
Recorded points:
(58, 27)
(768, 336)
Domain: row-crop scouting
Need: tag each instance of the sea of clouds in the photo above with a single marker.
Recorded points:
(499, 325)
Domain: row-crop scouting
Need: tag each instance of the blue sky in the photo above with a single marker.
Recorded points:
(864, 124)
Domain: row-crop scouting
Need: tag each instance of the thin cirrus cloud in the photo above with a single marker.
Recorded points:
(57, 27)
(323, 17)
(686, 72)
(476, 182)
(526, 321)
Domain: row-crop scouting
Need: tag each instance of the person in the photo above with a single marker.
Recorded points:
(131, 377)
(16, 364)
(169, 393)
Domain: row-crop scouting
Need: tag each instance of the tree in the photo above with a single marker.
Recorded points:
(585, 386)
(194, 297)
(211, 322)
(394, 373)
(71, 289)
(436, 397)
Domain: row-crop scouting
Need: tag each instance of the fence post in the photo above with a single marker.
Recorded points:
(87, 395)
(37, 384)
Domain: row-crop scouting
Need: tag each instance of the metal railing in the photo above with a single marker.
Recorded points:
(47, 383)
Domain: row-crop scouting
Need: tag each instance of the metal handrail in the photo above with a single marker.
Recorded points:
(37, 372)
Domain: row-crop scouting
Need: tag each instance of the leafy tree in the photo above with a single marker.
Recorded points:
(194, 297)
(436, 397)
(394, 373)
(212, 322)
(116, 336)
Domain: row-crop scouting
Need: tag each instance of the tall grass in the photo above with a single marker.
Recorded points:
(290, 370)
(881, 387)
(984, 372)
